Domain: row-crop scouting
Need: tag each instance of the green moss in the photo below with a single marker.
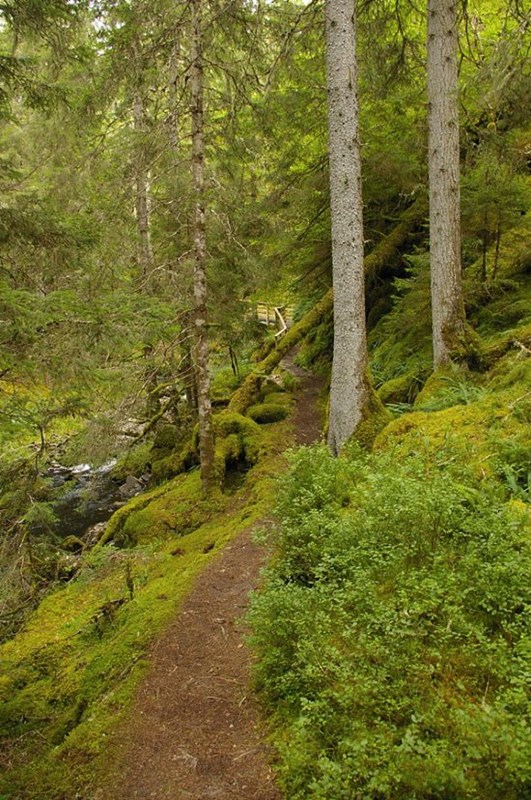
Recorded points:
(267, 412)
(466, 348)
(402, 389)
(166, 437)
(375, 417)
(172, 510)
(72, 543)
(482, 431)
(175, 463)
(227, 422)
(437, 384)
(239, 443)
(516, 340)
(67, 679)
(271, 387)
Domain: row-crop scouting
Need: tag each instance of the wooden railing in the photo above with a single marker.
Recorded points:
(279, 317)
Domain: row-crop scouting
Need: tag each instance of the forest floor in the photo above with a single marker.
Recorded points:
(194, 730)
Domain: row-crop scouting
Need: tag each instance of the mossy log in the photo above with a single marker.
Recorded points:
(248, 391)
(384, 252)
(388, 248)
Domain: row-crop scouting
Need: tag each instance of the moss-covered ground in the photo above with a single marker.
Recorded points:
(478, 411)
(69, 675)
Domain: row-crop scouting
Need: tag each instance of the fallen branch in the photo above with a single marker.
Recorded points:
(153, 421)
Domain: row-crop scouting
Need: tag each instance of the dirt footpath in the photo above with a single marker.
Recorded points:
(194, 729)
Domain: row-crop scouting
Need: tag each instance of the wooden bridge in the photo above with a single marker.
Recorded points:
(279, 317)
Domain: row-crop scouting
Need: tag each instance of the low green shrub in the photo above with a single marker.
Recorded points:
(393, 634)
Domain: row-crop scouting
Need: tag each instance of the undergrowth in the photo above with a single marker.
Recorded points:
(393, 633)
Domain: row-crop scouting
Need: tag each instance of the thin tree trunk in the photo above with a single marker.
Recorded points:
(206, 435)
(496, 250)
(187, 372)
(485, 247)
(349, 388)
(145, 253)
(174, 94)
(448, 313)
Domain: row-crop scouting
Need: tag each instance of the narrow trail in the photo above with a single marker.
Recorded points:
(194, 729)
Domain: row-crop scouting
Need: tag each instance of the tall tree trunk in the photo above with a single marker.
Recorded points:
(174, 93)
(206, 435)
(448, 313)
(145, 253)
(349, 389)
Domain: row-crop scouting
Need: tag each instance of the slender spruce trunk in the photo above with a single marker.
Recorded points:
(448, 312)
(142, 202)
(206, 435)
(174, 93)
(349, 391)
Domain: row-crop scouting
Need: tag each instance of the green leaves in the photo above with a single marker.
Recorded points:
(391, 634)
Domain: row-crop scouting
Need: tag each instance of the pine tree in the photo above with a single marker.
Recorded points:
(349, 389)
(448, 312)
(206, 435)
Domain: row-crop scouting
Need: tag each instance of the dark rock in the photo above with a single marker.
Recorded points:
(130, 487)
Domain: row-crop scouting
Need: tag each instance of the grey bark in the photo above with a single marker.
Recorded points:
(204, 408)
(142, 205)
(348, 390)
(448, 313)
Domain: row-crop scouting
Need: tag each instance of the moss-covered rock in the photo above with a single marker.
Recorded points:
(436, 384)
(402, 389)
(271, 387)
(264, 413)
(165, 441)
(516, 341)
(170, 510)
(228, 421)
(166, 437)
(239, 443)
(136, 461)
(481, 431)
(164, 469)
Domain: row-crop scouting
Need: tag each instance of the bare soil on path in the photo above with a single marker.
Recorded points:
(194, 730)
